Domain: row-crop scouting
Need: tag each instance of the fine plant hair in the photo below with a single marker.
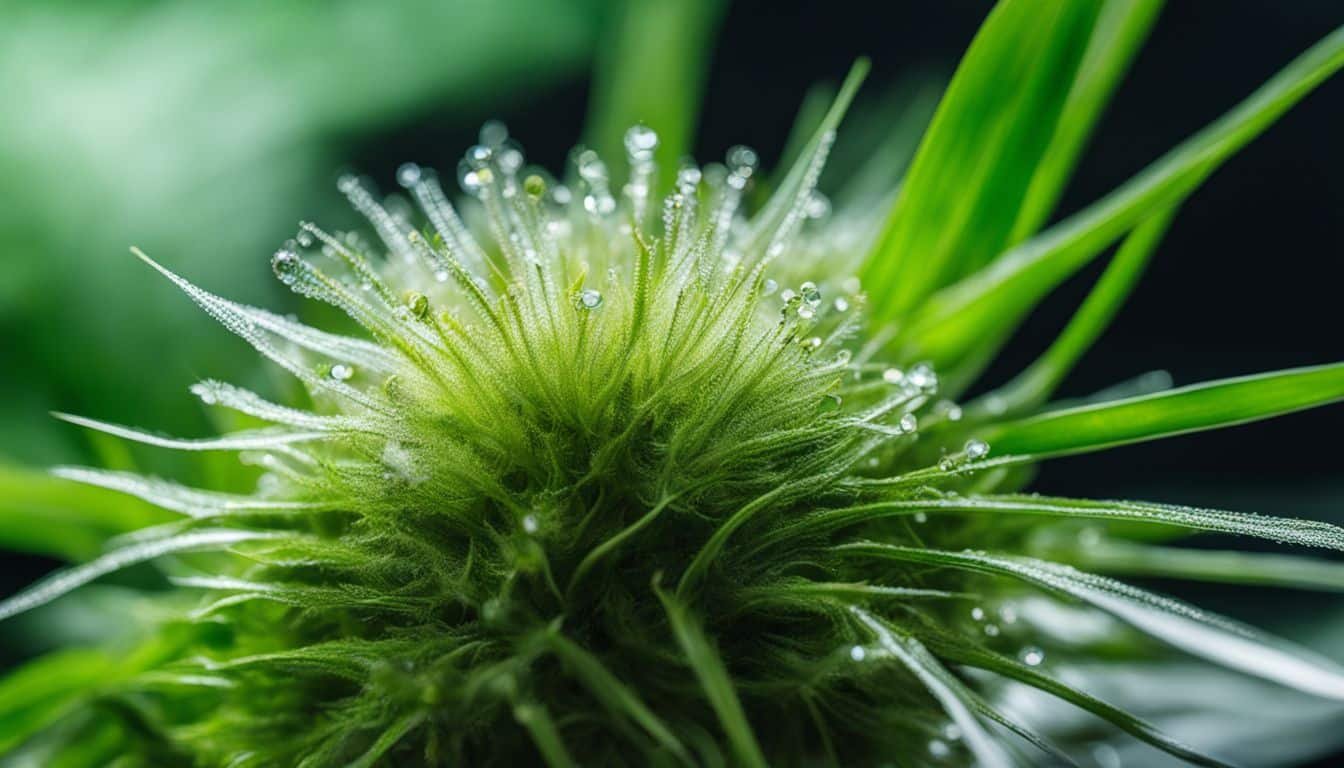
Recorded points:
(672, 466)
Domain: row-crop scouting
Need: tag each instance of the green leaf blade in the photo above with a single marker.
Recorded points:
(969, 318)
(959, 203)
(1210, 405)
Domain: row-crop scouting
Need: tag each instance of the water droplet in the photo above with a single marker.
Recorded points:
(493, 133)
(952, 732)
(841, 304)
(992, 630)
(923, 378)
(857, 653)
(1008, 614)
(1031, 656)
(471, 180)
(921, 517)
(441, 275)
(817, 206)
(787, 295)
(408, 174)
(687, 179)
(812, 343)
(590, 166)
(530, 523)
(510, 159)
(347, 183)
(418, 303)
(893, 375)
(976, 449)
(342, 372)
(590, 299)
(908, 423)
(939, 749)
(769, 287)
(286, 265)
(640, 141)
(304, 238)
(978, 613)
(843, 357)
(479, 155)
(954, 413)
(742, 160)
(811, 296)
(806, 312)
(534, 186)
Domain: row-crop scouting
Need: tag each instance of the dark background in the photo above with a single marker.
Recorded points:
(1248, 279)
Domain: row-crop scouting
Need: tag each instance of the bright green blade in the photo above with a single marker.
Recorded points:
(1039, 381)
(650, 70)
(961, 197)
(1189, 409)
(37, 694)
(714, 680)
(50, 516)
(968, 319)
(1121, 29)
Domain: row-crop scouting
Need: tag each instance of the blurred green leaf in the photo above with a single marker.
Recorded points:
(714, 680)
(650, 70)
(39, 693)
(545, 735)
(961, 198)
(968, 318)
(45, 515)
(617, 697)
(1194, 408)
(203, 132)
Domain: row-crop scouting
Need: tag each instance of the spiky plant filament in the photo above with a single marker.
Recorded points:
(621, 478)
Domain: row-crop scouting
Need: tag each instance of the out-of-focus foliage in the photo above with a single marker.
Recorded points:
(201, 131)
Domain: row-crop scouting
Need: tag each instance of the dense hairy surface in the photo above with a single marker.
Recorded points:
(629, 478)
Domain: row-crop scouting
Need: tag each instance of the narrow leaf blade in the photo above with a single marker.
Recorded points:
(961, 197)
(1210, 405)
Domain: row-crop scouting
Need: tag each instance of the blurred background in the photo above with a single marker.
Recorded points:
(203, 132)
